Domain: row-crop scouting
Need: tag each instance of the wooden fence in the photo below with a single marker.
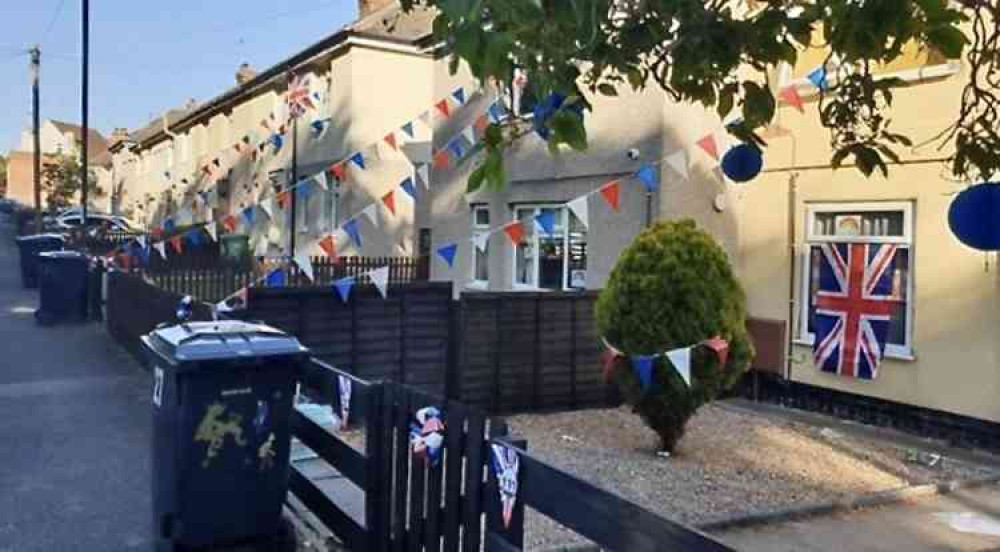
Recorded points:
(413, 506)
(530, 352)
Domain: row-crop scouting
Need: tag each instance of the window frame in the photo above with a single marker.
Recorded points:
(476, 229)
(537, 207)
(802, 334)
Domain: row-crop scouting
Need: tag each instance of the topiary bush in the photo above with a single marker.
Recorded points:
(673, 287)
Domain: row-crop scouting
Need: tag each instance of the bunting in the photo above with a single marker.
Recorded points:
(329, 246)
(275, 278)
(351, 229)
(678, 161)
(790, 95)
(343, 287)
(212, 231)
(178, 243)
(408, 130)
(546, 221)
(407, 186)
(681, 359)
(338, 171)
(481, 241)
(610, 193)
(304, 263)
(423, 174)
(229, 223)
(321, 180)
(515, 231)
(389, 200)
(709, 146)
(647, 175)
(581, 208)
(391, 140)
(380, 277)
(447, 253)
(248, 215)
(818, 77)
(371, 211)
(359, 160)
(643, 367)
(161, 248)
(443, 108)
(459, 95)
(442, 160)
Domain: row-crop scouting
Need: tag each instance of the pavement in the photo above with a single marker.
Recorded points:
(74, 431)
(967, 520)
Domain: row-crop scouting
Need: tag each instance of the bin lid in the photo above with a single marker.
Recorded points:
(42, 237)
(228, 339)
(74, 255)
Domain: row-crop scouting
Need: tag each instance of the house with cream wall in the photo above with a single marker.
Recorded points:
(384, 71)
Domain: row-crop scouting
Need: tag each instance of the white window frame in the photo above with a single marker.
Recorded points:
(476, 230)
(808, 90)
(535, 233)
(803, 336)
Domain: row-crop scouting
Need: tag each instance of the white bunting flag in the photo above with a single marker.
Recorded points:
(425, 118)
(380, 277)
(470, 134)
(678, 161)
(260, 249)
(481, 240)
(372, 213)
(274, 233)
(161, 248)
(142, 241)
(322, 181)
(304, 262)
(267, 205)
(681, 359)
(423, 174)
(213, 231)
(581, 208)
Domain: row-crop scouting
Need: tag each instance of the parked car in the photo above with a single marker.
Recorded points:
(94, 224)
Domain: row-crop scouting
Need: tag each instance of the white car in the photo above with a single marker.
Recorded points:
(108, 222)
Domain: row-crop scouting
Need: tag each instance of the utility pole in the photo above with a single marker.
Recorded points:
(36, 68)
(84, 92)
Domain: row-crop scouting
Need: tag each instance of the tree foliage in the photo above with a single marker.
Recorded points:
(723, 54)
(62, 183)
(3, 175)
(672, 288)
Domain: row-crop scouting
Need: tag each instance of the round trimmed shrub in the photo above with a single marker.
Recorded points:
(673, 287)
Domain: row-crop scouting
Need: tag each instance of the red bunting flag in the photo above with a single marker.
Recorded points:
(720, 347)
(229, 223)
(790, 95)
(610, 359)
(482, 123)
(609, 192)
(338, 171)
(329, 246)
(178, 243)
(443, 107)
(157, 233)
(391, 140)
(515, 231)
(283, 198)
(441, 159)
(708, 145)
(389, 200)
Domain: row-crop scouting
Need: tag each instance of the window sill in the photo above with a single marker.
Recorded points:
(902, 356)
(478, 285)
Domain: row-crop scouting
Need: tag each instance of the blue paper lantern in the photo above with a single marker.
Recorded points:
(974, 216)
(742, 163)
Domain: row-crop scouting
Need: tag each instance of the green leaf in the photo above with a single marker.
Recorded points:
(758, 105)
(607, 89)
(568, 128)
(727, 97)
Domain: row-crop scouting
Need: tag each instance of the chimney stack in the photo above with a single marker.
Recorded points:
(119, 134)
(368, 7)
(245, 74)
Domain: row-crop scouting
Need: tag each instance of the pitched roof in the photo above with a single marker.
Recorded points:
(97, 145)
(389, 24)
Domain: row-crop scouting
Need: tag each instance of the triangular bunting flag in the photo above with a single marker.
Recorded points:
(267, 205)
(284, 197)
(407, 186)
(277, 141)
(470, 134)
(647, 175)
(275, 278)
(319, 127)
(372, 213)
(391, 140)
(161, 248)
(408, 129)
(515, 231)
(424, 174)
(142, 241)
(260, 249)
(344, 286)
(212, 231)
(229, 223)
(581, 208)
(681, 359)
(678, 161)
(609, 192)
(643, 368)
(248, 215)
(441, 159)
(496, 112)
(447, 253)
(194, 237)
(481, 124)
(425, 118)
(459, 95)
(443, 107)
(338, 171)
(720, 347)
(456, 148)
(546, 220)
(481, 241)
(351, 229)
(359, 160)
(389, 200)
(178, 243)
(818, 77)
(304, 263)
(322, 181)
(380, 277)
(329, 246)
(708, 145)
(303, 189)
(790, 95)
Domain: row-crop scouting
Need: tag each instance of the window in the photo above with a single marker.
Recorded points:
(480, 259)
(557, 261)
(875, 223)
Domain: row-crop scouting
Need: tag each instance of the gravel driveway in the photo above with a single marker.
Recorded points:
(728, 464)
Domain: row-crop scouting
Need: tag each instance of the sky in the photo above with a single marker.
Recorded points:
(146, 57)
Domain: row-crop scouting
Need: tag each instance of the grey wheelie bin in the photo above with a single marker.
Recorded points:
(222, 401)
(30, 247)
(63, 283)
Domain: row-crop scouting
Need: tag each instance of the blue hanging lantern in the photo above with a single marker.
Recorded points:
(974, 216)
(742, 163)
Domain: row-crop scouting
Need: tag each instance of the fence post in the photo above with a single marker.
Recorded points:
(402, 335)
(572, 352)
(497, 344)
(456, 337)
(376, 522)
(513, 534)
(353, 304)
(536, 360)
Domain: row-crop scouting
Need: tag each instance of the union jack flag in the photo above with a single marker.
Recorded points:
(298, 97)
(854, 304)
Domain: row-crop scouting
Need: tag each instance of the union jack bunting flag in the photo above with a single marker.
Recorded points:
(298, 98)
(854, 302)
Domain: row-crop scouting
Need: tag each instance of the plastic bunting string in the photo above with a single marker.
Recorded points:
(644, 366)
